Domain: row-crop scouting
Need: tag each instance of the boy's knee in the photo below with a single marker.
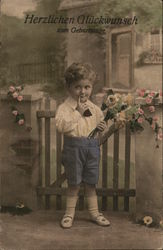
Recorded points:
(73, 190)
(90, 189)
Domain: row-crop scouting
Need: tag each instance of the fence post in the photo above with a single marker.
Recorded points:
(115, 169)
(59, 141)
(148, 160)
(104, 173)
(127, 164)
(47, 152)
(58, 169)
(40, 165)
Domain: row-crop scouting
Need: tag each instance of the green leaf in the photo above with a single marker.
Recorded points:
(17, 118)
(103, 106)
(131, 111)
(21, 116)
(145, 95)
(109, 115)
(150, 120)
(138, 126)
(156, 128)
(135, 126)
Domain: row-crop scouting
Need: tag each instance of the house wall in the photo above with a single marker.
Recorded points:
(147, 76)
(19, 153)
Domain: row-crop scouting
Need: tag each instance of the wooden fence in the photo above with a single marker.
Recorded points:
(56, 188)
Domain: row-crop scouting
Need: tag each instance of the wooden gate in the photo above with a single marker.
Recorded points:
(47, 188)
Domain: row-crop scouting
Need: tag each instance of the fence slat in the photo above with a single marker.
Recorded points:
(39, 200)
(127, 164)
(45, 114)
(81, 202)
(58, 169)
(115, 169)
(47, 160)
(104, 173)
(81, 199)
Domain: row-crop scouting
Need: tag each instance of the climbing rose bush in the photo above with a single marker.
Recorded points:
(15, 94)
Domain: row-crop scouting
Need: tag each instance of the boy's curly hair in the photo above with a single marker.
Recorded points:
(78, 71)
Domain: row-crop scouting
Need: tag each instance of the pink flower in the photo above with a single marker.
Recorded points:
(148, 100)
(19, 88)
(12, 89)
(160, 93)
(15, 112)
(151, 109)
(153, 126)
(15, 95)
(140, 120)
(160, 136)
(21, 122)
(141, 92)
(151, 94)
(140, 111)
(155, 118)
(20, 98)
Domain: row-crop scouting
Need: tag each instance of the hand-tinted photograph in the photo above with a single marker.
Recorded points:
(81, 125)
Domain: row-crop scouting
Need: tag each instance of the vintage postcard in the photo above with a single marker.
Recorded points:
(81, 125)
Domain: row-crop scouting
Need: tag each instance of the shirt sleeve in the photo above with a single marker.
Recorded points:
(66, 119)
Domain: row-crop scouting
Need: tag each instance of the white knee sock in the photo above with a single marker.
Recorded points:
(93, 205)
(71, 205)
(71, 200)
(90, 191)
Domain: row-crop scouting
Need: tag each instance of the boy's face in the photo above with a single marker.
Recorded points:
(82, 88)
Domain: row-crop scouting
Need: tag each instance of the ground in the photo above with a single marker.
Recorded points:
(41, 231)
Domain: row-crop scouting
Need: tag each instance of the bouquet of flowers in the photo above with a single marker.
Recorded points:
(122, 109)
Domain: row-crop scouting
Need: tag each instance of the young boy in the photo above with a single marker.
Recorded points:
(76, 118)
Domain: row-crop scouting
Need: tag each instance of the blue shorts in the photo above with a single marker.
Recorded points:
(80, 158)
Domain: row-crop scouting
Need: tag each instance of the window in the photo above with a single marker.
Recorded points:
(156, 41)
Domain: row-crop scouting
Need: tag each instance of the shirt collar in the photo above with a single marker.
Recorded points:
(71, 102)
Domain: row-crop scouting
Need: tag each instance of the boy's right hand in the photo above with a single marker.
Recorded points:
(81, 106)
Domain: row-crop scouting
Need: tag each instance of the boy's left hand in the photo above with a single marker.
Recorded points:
(102, 126)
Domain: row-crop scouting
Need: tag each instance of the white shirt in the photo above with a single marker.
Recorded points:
(70, 122)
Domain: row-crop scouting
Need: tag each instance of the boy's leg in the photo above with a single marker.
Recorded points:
(91, 196)
(71, 200)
